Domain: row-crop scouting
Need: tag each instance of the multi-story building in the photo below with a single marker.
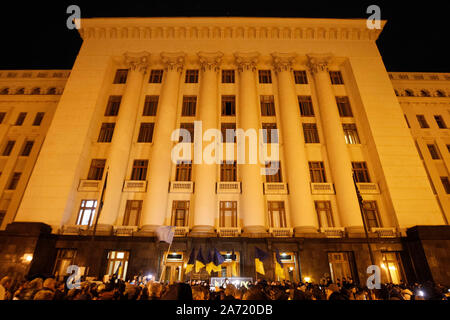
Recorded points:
(341, 128)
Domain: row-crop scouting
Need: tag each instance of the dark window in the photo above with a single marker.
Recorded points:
(300, 77)
(189, 127)
(189, 106)
(51, 90)
(273, 171)
(183, 171)
(132, 214)
(228, 171)
(344, 107)
(8, 148)
(2, 116)
(440, 122)
(324, 214)
(440, 93)
(36, 91)
(317, 171)
(228, 105)
(156, 76)
(227, 76)
(306, 107)
(409, 93)
(361, 172)
(146, 132)
(112, 108)
(38, 119)
(96, 169)
(121, 76)
(433, 151)
(265, 76)
(228, 132)
(20, 118)
(106, 132)
(14, 180)
(310, 133)
(351, 133)
(270, 133)
(150, 106)
(228, 214)
(191, 76)
(139, 171)
(27, 148)
(371, 217)
(180, 212)
(336, 77)
(422, 121)
(267, 106)
(5, 91)
(446, 183)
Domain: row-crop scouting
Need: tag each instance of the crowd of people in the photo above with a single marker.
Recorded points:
(116, 289)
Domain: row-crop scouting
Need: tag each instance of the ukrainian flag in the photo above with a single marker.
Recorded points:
(218, 260)
(190, 264)
(233, 265)
(279, 271)
(260, 256)
(210, 266)
(200, 262)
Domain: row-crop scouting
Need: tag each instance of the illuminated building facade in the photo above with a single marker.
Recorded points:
(320, 82)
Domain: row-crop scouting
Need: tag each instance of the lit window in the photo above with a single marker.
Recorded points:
(86, 212)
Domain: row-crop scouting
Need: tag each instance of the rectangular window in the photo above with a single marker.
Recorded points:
(86, 212)
(150, 106)
(2, 117)
(183, 171)
(189, 127)
(344, 107)
(20, 118)
(64, 258)
(146, 132)
(228, 214)
(310, 133)
(118, 263)
(324, 214)
(270, 133)
(8, 148)
(422, 121)
(306, 107)
(228, 105)
(392, 266)
(340, 266)
(180, 213)
(351, 133)
(191, 76)
(300, 77)
(156, 76)
(139, 171)
(440, 122)
(267, 106)
(96, 169)
(228, 171)
(336, 77)
(264, 76)
(228, 132)
(446, 183)
(360, 171)
(121, 76)
(277, 214)
(106, 132)
(371, 217)
(273, 171)
(38, 119)
(132, 214)
(14, 181)
(433, 151)
(189, 106)
(317, 171)
(112, 108)
(26, 150)
(227, 76)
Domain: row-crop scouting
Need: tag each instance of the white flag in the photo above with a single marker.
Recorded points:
(165, 233)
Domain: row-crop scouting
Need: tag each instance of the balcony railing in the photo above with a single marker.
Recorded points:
(228, 231)
(385, 232)
(89, 185)
(333, 232)
(368, 188)
(125, 230)
(72, 229)
(322, 188)
(228, 187)
(281, 232)
(182, 186)
(275, 188)
(181, 231)
(135, 186)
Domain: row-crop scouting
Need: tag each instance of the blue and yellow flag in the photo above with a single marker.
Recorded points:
(260, 256)
(218, 260)
(200, 262)
(210, 266)
(191, 262)
(279, 271)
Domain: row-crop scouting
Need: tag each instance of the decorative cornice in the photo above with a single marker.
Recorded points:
(137, 61)
(246, 61)
(173, 60)
(283, 61)
(210, 60)
(318, 62)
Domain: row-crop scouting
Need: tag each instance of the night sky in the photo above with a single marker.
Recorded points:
(34, 36)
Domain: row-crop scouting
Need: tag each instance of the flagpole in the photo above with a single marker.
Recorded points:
(163, 269)
(100, 207)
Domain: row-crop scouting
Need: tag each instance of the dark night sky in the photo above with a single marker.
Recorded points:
(34, 36)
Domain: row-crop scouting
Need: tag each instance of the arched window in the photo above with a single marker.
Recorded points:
(4, 91)
(51, 90)
(440, 93)
(36, 91)
(409, 93)
(20, 91)
(425, 93)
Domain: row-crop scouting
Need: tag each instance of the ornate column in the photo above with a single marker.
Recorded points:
(121, 142)
(205, 199)
(160, 164)
(303, 215)
(340, 163)
(252, 200)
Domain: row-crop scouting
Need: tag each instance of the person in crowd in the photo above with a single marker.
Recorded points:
(5, 286)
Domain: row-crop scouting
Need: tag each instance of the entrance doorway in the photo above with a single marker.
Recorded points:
(340, 266)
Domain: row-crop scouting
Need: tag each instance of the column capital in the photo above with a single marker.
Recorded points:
(210, 60)
(173, 60)
(246, 61)
(283, 61)
(318, 62)
(137, 61)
